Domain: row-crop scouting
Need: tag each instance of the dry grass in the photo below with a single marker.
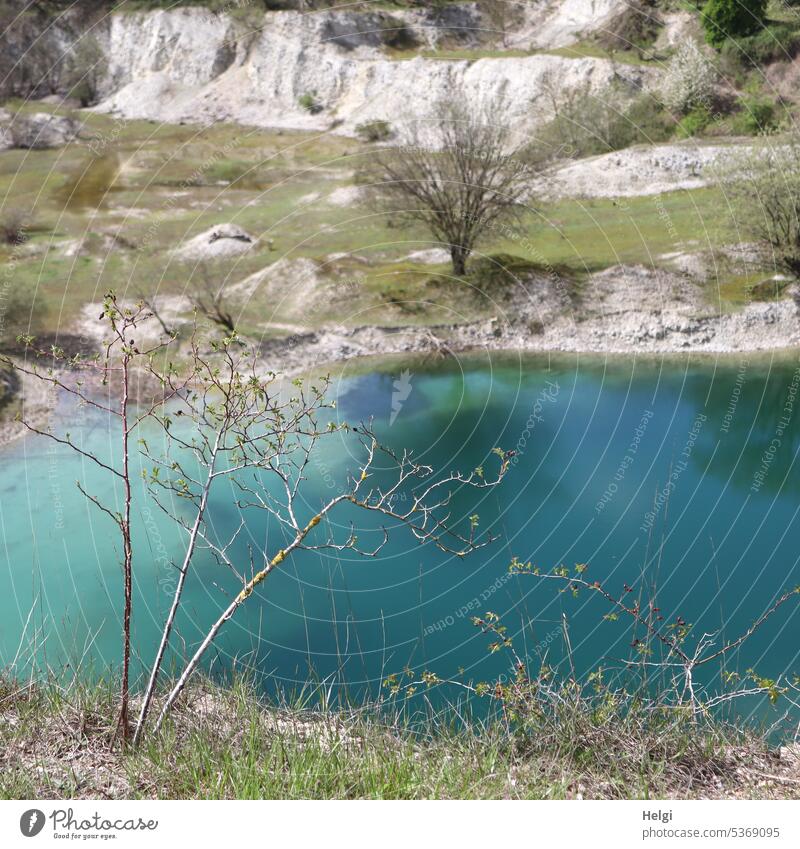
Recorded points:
(224, 743)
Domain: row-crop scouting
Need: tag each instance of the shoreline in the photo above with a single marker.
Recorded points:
(363, 349)
(301, 353)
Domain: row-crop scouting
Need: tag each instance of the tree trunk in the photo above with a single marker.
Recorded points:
(176, 601)
(458, 256)
(127, 561)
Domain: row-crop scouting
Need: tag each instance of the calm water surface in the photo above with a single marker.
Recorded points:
(677, 478)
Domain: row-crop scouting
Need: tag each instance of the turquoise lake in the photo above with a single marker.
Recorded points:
(677, 478)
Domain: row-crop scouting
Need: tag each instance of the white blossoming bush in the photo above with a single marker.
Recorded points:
(690, 79)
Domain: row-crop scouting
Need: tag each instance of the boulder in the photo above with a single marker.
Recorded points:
(224, 240)
(39, 131)
(5, 131)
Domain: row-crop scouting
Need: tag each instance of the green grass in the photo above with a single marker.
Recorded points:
(591, 50)
(156, 185)
(579, 50)
(58, 742)
(457, 54)
(589, 235)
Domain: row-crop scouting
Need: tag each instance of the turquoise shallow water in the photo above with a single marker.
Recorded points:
(677, 478)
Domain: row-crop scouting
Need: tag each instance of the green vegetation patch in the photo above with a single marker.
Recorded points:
(226, 743)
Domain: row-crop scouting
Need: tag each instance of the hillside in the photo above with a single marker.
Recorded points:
(204, 116)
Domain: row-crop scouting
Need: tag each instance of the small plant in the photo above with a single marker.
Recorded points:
(310, 102)
(227, 171)
(693, 124)
(536, 701)
(374, 131)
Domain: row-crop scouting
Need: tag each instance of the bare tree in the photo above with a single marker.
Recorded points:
(458, 173)
(224, 410)
(221, 416)
(104, 382)
(245, 431)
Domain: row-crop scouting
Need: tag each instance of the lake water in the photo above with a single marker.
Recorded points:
(678, 478)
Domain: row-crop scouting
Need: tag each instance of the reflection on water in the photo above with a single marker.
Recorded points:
(643, 471)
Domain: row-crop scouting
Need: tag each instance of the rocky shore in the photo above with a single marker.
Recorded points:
(623, 310)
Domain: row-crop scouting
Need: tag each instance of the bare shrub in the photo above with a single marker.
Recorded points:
(635, 27)
(209, 296)
(374, 131)
(586, 123)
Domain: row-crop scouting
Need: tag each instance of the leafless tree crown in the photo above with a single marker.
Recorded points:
(459, 173)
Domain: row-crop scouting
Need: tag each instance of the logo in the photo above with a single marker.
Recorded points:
(31, 822)
(400, 393)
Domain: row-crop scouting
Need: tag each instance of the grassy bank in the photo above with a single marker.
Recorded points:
(225, 743)
(110, 209)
